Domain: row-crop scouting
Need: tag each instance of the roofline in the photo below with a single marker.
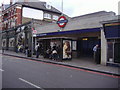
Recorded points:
(10, 6)
(41, 9)
(17, 3)
(91, 14)
(87, 30)
(110, 21)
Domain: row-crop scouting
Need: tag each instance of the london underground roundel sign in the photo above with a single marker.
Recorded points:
(62, 21)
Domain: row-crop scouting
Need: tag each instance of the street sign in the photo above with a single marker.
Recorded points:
(34, 31)
(62, 21)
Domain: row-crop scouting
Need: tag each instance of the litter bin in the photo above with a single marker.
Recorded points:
(29, 53)
(98, 56)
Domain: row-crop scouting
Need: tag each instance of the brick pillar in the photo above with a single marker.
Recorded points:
(19, 15)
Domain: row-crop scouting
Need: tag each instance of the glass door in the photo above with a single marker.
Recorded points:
(110, 53)
(117, 52)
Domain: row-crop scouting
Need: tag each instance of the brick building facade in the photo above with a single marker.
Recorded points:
(17, 28)
(12, 16)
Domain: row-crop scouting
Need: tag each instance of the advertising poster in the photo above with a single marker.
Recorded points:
(67, 54)
(74, 45)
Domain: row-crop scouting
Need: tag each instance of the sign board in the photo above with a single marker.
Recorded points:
(67, 50)
(62, 21)
(34, 31)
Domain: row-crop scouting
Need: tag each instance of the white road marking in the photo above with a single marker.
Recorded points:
(1, 70)
(30, 83)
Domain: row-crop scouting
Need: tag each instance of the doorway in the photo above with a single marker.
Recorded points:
(85, 46)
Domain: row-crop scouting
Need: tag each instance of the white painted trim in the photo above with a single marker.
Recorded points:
(103, 48)
(30, 83)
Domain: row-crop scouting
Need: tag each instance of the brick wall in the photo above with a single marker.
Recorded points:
(19, 15)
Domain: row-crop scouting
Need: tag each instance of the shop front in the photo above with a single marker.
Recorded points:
(20, 35)
(112, 35)
(71, 44)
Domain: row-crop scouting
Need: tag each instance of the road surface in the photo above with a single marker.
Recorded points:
(25, 73)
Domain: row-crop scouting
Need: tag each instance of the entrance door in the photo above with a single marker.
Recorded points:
(85, 46)
(114, 51)
(117, 53)
(110, 53)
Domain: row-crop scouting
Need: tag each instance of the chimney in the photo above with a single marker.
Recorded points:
(26, 0)
(11, 2)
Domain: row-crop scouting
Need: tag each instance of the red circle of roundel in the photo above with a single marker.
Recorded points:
(62, 21)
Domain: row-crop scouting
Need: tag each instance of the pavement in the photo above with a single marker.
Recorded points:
(82, 63)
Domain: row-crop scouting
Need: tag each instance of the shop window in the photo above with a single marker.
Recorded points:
(110, 51)
(20, 38)
(117, 53)
(13, 22)
(11, 42)
(4, 43)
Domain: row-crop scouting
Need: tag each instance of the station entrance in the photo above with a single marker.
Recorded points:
(85, 46)
(81, 44)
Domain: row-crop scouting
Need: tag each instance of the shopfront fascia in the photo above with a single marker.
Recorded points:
(20, 34)
(69, 38)
(112, 35)
(7, 37)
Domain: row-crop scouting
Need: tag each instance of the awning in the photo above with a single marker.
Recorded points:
(69, 32)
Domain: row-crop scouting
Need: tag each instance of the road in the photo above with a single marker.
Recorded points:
(24, 73)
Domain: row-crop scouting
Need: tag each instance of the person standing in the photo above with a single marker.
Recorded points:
(96, 50)
(37, 48)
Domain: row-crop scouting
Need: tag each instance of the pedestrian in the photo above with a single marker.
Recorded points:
(26, 50)
(2, 49)
(19, 48)
(47, 53)
(54, 54)
(95, 51)
(37, 48)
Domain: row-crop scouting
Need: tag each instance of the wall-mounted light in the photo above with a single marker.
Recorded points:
(85, 39)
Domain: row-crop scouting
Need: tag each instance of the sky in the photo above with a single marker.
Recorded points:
(74, 8)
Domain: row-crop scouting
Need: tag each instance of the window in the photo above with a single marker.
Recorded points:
(8, 23)
(48, 16)
(32, 13)
(14, 11)
(12, 22)
(4, 42)
(11, 42)
(55, 17)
